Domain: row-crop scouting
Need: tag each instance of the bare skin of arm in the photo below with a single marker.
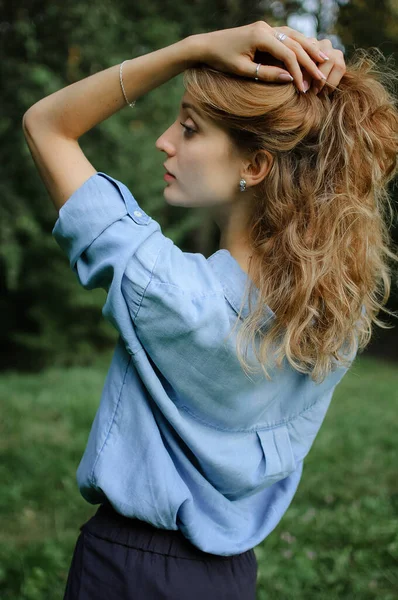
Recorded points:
(77, 108)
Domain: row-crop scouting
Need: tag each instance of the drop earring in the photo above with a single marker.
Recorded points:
(242, 185)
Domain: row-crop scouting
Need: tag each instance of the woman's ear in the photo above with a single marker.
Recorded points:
(257, 167)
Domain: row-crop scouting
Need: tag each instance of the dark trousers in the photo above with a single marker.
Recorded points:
(117, 558)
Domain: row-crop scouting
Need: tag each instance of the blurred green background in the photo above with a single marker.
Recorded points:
(339, 537)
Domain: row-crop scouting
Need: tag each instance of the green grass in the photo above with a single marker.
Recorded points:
(338, 539)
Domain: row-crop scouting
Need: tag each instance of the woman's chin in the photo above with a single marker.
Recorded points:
(169, 198)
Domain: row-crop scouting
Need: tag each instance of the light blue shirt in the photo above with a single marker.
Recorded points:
(183, 438)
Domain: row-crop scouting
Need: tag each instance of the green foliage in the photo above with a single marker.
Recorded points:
(338, 539)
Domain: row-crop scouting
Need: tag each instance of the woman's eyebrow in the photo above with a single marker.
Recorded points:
(187, 105)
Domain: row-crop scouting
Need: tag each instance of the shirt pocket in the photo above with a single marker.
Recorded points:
(279, 461)
(267, 459)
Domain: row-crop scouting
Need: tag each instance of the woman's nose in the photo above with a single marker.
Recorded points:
(165, 145)
(164, 142)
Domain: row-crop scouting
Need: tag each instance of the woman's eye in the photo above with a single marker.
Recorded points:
(188, 130)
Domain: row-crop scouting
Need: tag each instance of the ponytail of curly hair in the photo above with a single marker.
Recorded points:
(320, 224)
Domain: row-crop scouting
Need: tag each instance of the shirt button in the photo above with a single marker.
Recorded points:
(138, 213)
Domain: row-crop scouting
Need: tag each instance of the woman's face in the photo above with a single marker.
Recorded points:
(205, 165)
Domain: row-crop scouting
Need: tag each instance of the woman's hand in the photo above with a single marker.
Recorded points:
(233, 51)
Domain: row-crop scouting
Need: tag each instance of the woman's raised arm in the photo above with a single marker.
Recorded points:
(77, 108)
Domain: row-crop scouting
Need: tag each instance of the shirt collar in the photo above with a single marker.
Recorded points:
(234, 280)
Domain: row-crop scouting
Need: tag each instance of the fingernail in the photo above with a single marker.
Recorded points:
(324, 56)
(285, 77)
(321, 74)
(306, 85)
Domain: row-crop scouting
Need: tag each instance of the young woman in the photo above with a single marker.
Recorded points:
(197, 449)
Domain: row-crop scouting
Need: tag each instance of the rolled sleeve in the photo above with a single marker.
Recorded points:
(97, 204)
(104, 232)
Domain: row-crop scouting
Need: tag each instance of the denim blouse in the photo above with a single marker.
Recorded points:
(183, 438)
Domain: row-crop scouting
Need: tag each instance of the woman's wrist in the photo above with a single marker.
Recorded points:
(195, 49)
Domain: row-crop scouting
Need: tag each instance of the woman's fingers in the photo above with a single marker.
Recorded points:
(290, 53)
(334, 72)
(297, 57)
(333, 68)
(311, 45)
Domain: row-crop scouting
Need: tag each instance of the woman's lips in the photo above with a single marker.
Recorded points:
(168, 177)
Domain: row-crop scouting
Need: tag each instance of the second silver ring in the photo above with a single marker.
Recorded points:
(257, 68)
(280, 36)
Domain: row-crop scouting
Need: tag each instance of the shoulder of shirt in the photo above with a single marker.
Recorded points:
(230, 276)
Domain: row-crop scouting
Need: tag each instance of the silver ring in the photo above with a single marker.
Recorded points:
(257, 68)
(280, 36)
